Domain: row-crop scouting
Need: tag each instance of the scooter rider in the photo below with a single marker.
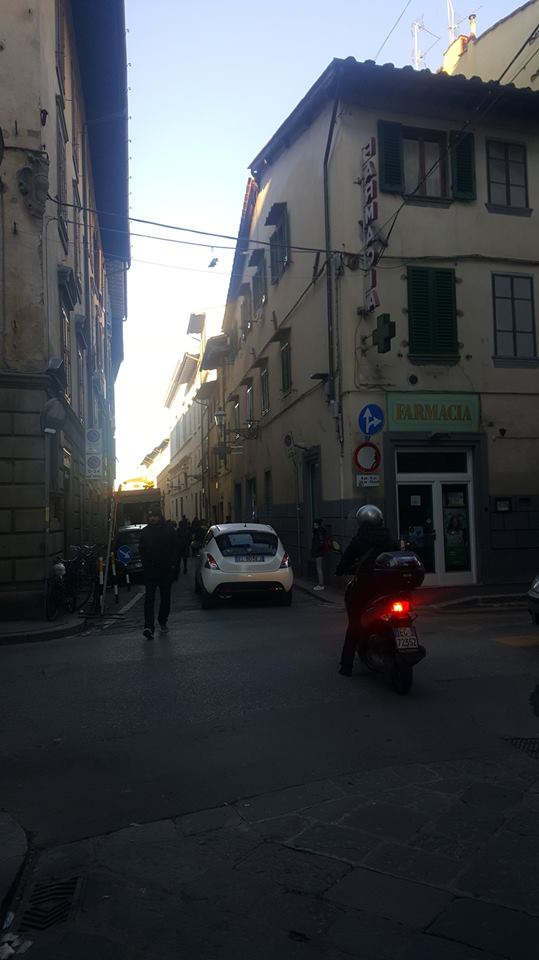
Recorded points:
(371, 539)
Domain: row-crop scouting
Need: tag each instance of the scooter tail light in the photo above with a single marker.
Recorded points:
(400, 607)
(211, 562)
(285, 562)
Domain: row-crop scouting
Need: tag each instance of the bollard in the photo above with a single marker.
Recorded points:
(127, 581)
(114, 578)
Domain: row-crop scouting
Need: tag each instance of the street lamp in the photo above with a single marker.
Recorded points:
(248, 432)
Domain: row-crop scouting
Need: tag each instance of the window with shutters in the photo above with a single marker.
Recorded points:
(260, 282)
(432, 314)
(286, 366)
(264, 391)
(61, 173)
(280, 245)
(417, 163)
(507, 176)
(66, 350)
(249, 401)
(514, 316)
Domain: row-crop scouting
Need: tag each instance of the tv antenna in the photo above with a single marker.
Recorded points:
(451, 23)
(418, 58)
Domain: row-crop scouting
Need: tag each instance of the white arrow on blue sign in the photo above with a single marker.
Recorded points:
(371, 420)
(124, 555)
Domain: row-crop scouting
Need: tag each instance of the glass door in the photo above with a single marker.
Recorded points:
(456, 527)
(416, 521)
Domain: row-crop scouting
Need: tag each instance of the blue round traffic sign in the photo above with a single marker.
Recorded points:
(124, 555)
(371, 419)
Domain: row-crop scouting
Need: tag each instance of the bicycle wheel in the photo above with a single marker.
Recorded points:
(52, 599)
(82, 584)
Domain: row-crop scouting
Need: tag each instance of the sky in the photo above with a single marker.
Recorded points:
(209, 83)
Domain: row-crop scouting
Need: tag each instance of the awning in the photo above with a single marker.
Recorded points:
(215, 352)
(185, 371)
(206, 390)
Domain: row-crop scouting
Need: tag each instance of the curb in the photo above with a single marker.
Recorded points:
(40, 635)
(14, 842)
(316, 596)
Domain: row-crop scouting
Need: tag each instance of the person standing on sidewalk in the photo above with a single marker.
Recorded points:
(183, 541)
(158, 554)
(318, 549)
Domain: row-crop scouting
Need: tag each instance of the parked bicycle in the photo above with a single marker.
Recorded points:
(72, 584)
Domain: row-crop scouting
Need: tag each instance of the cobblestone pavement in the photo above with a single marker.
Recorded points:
(434, 861)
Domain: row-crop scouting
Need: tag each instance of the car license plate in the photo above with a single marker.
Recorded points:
(406, 638)
(248, 559)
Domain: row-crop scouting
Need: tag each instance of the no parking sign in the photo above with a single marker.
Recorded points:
(367, 458)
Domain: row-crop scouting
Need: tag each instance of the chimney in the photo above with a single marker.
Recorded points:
(473, 26)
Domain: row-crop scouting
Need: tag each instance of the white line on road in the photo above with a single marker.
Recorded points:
(123, 609)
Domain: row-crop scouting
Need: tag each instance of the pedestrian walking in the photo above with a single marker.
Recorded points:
(318, 549)
(158, 553)
(183, 542)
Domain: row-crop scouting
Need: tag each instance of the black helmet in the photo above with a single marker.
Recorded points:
(369, 516)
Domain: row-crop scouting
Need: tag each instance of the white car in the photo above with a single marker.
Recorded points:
(243, 558)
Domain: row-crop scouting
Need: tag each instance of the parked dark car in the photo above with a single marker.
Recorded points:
(533, 600)
(129, 537)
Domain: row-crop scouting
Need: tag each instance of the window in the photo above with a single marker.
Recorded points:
(286, 368)
(432, 313)
(268, 492)
(424, 155)
(514, 320)
(264, 391)
(77, 207)
(66, 350)
(260, 282)
(237, 421)
(415, 161)
(250, 404)
(507, 178)
(80, 382)
(245, 308)
(61, 175)
(60, 42)
(279, 241)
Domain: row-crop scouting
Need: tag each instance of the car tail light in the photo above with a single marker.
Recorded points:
(211, 562)
(285, 562)
(400, 608)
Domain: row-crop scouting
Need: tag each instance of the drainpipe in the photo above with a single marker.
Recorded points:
(327, 225)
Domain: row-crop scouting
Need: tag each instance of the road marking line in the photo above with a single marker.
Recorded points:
(124, 609)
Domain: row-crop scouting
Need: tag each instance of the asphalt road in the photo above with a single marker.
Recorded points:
(102, 730)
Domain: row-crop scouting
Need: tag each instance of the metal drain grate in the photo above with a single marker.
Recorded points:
(50, 903)
(529, 745)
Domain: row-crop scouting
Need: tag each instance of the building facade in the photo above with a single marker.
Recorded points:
(381, 331)
(65, 251)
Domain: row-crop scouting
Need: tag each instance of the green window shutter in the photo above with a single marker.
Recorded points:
(419, 312)
(445, 312)
(432, 312)
(390, 150)
(462, 165)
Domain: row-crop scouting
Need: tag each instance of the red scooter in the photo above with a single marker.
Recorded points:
(390, 642)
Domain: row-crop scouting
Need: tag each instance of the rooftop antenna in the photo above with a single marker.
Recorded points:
(418, 59)
(452, 26)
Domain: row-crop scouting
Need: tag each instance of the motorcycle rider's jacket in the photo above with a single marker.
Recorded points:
(361, 553)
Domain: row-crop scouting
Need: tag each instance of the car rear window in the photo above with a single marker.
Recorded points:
(245, 542)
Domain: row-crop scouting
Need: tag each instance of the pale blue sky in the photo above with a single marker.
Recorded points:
(209, 84)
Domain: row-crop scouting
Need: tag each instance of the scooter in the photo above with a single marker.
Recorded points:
(391, 645)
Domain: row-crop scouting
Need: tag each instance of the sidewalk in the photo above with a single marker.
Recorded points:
(432, 861)
(435, 598)
(34, 631)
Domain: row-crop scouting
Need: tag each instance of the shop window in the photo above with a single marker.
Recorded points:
(507, 176)
(432, 313)
(514, 316)
(414, 162)
(432, 461)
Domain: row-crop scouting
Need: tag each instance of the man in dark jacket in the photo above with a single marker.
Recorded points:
(318, 549)
(371, 539)
(183, 541)
(158, 554)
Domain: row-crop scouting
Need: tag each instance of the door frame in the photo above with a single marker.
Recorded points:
(441, 577)
(476, 443)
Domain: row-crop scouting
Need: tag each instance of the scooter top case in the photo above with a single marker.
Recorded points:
(398, 570)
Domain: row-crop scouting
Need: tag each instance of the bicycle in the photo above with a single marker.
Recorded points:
(73, 582)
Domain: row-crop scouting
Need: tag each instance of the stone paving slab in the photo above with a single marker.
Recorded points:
(341, 843)
(411, 903)
(413, 864)
(287, 801)
(386, 820)
(369, 937)
(294, 869)
(507, 933)
(507, 871)
(426, 947)
(13, 849)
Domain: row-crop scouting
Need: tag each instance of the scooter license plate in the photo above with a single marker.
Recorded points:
(406, 638)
